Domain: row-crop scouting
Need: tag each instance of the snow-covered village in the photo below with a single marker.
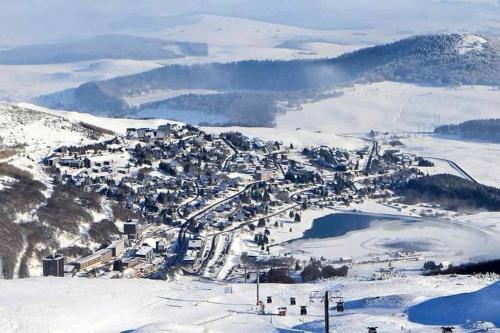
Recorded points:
(250, 166)
(232, 215)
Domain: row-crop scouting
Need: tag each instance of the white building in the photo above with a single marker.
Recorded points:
(146, 252)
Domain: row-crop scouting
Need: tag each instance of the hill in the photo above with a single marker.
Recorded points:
(481, 129)
(481, 305)
(36, 215)
(451, 192)
(101, 47)
(436, 60)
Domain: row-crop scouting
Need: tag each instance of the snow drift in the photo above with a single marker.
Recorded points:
(481, 305)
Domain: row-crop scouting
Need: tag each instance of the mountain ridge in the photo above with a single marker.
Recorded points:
(110, 46)
(434, 60)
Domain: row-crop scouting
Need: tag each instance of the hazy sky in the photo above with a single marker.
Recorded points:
(31, 21)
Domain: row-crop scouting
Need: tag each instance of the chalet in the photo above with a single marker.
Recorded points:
(195, 244)
(117, 247)
(146, 253)
(129, 262)
(87, 163)
(131, 133)
(69, 270)
(163, 131)
(160, 246)
(145, 133)
(263, 175)
(132, 229)
(71, 163)
(50, 161)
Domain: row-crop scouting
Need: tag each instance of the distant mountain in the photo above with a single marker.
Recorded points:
(101, 47)
(481, 129)
(437, 60)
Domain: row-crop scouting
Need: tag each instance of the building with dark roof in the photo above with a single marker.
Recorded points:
(53, 265)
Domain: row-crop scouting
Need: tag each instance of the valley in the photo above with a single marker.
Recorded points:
(190, 227)
(250, 166)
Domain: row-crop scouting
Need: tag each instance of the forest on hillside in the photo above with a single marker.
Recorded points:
(450, 192)
(481, 129)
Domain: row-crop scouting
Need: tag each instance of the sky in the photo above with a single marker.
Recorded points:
(39, 21)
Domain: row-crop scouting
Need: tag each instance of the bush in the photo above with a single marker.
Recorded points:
(62, 210)
(315, 270)
(312, 271)
(279, 275)
(430, 266)
(330, 272)
(101, 232)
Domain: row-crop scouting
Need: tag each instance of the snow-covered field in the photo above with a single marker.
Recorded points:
(234, 36)
(23, 82)
(298, 137)
(389, 106)
(90, 305)
(479, 159)
(118, 125)
(228, 39)
(164, 94)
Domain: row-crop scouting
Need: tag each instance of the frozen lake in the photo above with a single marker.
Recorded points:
(362, 235)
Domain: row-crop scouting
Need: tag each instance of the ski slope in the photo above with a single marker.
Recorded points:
(185, 305)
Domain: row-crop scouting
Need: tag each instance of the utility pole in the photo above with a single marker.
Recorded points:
(258, 278)
(327, 314)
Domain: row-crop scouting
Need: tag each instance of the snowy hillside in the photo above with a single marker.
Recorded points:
(394, 107)
(234, 37)
(78, 305)
(101, 47)
(384, 287)
(32, 206)
(24, 82)
(255, 40)
(41, 132)
(482, 305)
(430, 60)
(478, 158)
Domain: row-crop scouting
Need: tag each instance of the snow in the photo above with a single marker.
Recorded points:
(481, 305)
(40, 131)
(471, 43)
(459, 240)
(117, 125)
(24, 82)
(329, 49)
(235, 31)
(228, 38)
(107, 305)
(163, 94)
(390, 106)
(298, 137)
(479, 159)
(186, 305)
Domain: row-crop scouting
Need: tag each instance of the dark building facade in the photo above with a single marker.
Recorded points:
(53, 265)
(132, 229)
